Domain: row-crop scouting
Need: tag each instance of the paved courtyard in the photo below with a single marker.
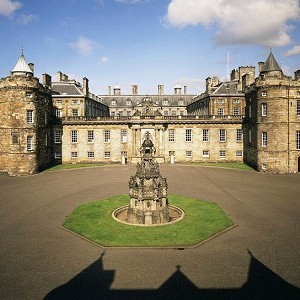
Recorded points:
(258, 259)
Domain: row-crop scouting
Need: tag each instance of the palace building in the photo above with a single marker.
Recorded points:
(256, 120)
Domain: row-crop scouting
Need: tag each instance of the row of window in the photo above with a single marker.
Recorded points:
(264, 109)
(264, 139)
(188, 154)
(205, 135)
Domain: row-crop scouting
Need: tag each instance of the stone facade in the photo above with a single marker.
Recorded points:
(272, 123)
(62, 122)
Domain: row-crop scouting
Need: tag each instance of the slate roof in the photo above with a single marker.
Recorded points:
(271, 64)
(226, 88)
(22, 66)
(66, 89)
(173, 100)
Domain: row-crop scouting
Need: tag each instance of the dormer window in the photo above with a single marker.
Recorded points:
(180, 102)
(128, 102)
(113, 102)
(165, 102)
(74, 101)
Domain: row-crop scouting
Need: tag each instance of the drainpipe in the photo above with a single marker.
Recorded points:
(288, 103)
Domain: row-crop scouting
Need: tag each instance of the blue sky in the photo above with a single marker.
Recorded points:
(147, 42)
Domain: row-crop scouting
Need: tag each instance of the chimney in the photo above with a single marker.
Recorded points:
(46, 80)
(65, 77)
(208, 85)
(85, 86)
(109, 90)
(260, 66)
(177, 89)
(117, 90)
(185, 89)
(134, 89)
(59, 76)
(160, 89)
(31, 66)
(297, 75)
(234, 75)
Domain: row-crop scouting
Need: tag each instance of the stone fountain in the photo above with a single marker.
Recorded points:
(148, 190)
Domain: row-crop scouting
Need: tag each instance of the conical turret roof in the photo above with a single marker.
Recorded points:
(271, 64)
(22, 66)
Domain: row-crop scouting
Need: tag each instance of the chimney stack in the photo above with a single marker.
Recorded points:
(134, 89)
(109, 90)
(85, 86)
(46, 80)
(160, 89)
(31, 66)
(185, 89)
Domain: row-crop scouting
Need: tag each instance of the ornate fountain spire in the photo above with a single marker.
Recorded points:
(148, 190)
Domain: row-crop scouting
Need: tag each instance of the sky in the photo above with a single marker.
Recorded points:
(148, 42)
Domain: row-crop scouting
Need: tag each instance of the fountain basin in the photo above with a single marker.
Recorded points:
(176, 214)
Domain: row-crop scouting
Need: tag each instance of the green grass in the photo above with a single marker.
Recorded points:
(94, 221)
(74, 166)
(232, 165)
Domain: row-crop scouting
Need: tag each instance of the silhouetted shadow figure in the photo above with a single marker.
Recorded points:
(94, 283)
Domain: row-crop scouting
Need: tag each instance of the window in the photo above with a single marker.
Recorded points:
(220, 111)
(15, 138)
(180, 102)
(166, 113)
(29, 116)
(90, 136)
(298, 108)
(90, 154)
(58, 101)
(112, 113)
(171, 135)
(188, 135)
(128, 102)
(57, 155)
(239, 135)
(220, 101)
(236, 111)
(188, 154)
(74, 136)
(46, 117)
(106, 136)
(74, 101)
(58, 113)
(113, 102)
(74, 112)
(222, 153)
(298, 139)
(57, 136)
(239, 153)
(264, 139)
(264, 93)
(165, 102)
(264, 109)
(235, 101)
(222, 135)
(29, 143)
(249, 111)
(250, 136)
(74, 154)
(173, 113)
(171, 153)
(106, 154)
(205, 153)
(46, 139)
(181, 112)
(205, 135)
(123, 136)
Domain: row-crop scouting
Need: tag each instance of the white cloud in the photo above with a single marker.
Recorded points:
(26, 19)
(84, 46)
(263, 22)
(8, 7)
(103, 60)
(294, 51)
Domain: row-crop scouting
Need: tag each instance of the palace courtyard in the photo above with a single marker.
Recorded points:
(259, 258)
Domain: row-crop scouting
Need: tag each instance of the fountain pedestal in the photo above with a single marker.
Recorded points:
(148, 190)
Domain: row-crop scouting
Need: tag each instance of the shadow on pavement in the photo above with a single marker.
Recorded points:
(94, 283)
